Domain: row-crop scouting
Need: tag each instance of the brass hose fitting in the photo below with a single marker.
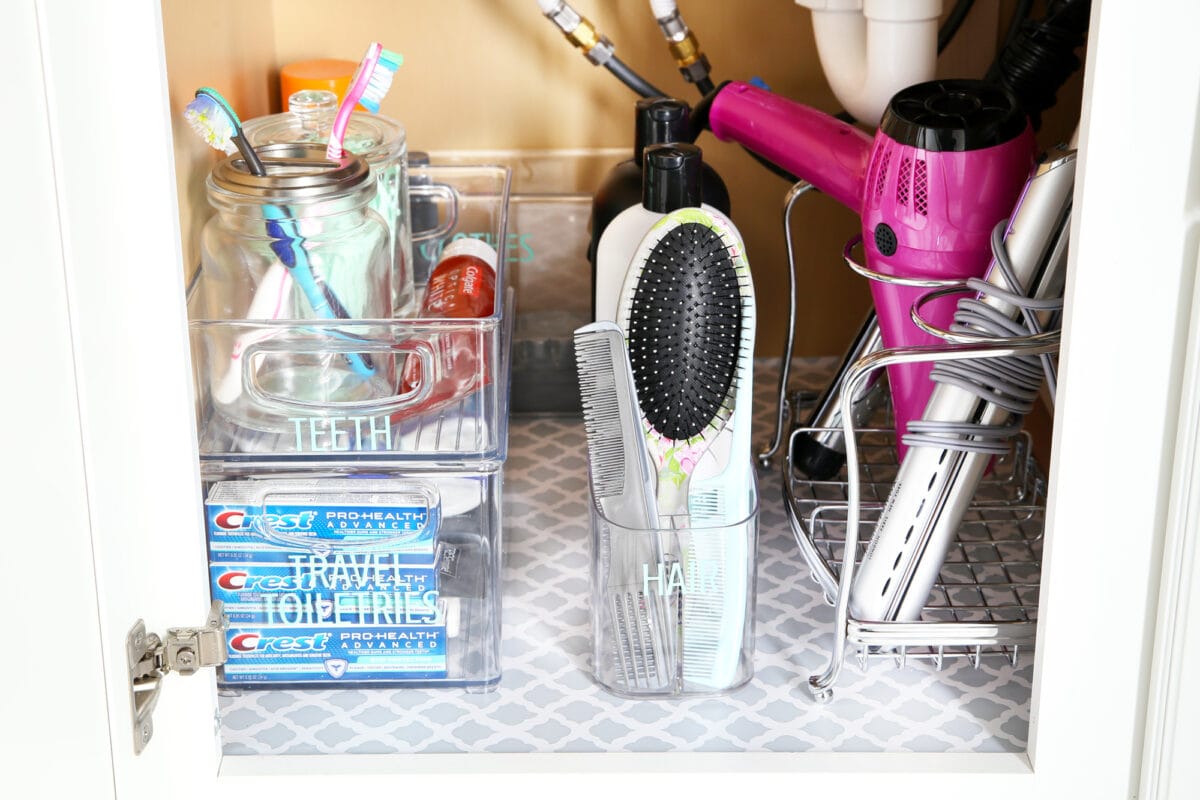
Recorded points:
(684, 47)
(582, 33)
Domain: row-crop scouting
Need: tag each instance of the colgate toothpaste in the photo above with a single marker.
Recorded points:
(461, 286)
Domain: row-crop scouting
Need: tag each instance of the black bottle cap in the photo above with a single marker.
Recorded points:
(660, 120)
(671, 177)
(953, 116)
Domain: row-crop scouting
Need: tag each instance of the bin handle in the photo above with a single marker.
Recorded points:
(420, 349)
(429, 496)
(445, 192)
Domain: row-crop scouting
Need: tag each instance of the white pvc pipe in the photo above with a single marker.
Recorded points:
(662, 9)
(871, 49)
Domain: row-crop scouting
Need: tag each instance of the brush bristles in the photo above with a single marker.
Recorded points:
(212, 122)
(381, 80)
(685, 331)
(601, 412)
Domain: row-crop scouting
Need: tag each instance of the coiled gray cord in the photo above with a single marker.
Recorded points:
(1011, 382)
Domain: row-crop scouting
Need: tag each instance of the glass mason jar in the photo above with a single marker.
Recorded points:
(298, 244)
(378, 139)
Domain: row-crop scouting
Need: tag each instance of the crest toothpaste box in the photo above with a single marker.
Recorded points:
(339, 589)
(327, 580)
(332, 654)
(266, 520)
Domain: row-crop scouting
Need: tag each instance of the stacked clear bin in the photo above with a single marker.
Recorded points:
(390, 447)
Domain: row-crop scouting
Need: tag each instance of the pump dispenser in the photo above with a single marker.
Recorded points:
(672, 178)
(658, 120)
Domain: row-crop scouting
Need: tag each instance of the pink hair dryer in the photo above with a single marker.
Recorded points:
(947, 163)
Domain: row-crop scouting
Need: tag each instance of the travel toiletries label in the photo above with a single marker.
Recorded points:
(330, 654)
(327, 580)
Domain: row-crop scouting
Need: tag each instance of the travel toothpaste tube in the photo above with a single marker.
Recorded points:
(461, 286)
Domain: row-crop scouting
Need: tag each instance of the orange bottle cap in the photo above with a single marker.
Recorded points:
(331, 74)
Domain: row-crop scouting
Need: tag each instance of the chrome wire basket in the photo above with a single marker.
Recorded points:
(984, 602)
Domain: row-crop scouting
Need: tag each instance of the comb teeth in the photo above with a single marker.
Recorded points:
(708, 504)
(601, 415)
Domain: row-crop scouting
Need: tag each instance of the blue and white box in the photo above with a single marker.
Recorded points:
(332, 654)
(327, 580)
(266, 520)
(338, 589)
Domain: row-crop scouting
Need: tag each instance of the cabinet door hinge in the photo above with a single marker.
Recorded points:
(151, 657)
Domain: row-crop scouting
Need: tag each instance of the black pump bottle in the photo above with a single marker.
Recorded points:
(658, 120)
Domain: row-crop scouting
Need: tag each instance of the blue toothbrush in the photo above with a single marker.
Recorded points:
(215, 120)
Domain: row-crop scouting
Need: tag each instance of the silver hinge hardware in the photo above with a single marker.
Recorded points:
(182, 650)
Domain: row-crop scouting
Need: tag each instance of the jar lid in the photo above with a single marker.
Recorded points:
(294, 172)
(468, 246)
(310, 119)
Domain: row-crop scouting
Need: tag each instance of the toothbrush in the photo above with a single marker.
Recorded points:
(371, 82)
(687, 310)
(217, 123)
(214, 119)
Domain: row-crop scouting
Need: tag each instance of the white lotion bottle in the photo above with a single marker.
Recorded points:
(671, 179)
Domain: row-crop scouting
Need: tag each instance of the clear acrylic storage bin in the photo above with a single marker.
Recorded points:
(548, 236)
(673, 608)
(331, 580)
(354, 529)
(266, 390)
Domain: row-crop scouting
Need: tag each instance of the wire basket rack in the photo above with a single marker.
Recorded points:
(985, 600)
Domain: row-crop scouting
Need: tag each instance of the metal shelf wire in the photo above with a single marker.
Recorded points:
(984, 603)
(985, 598)
(991, 573)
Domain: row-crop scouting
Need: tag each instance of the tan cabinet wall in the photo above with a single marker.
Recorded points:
(496, 75)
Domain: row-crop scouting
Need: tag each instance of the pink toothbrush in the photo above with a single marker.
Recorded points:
(371, 82)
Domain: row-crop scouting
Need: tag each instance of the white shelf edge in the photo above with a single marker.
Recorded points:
(1008, 770)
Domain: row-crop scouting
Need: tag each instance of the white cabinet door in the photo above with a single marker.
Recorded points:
(49, 580)
(118, 465)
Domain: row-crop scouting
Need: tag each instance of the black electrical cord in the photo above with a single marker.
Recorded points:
(631, 79)
(1020, 14)
(953, 22)
(1040, 56)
